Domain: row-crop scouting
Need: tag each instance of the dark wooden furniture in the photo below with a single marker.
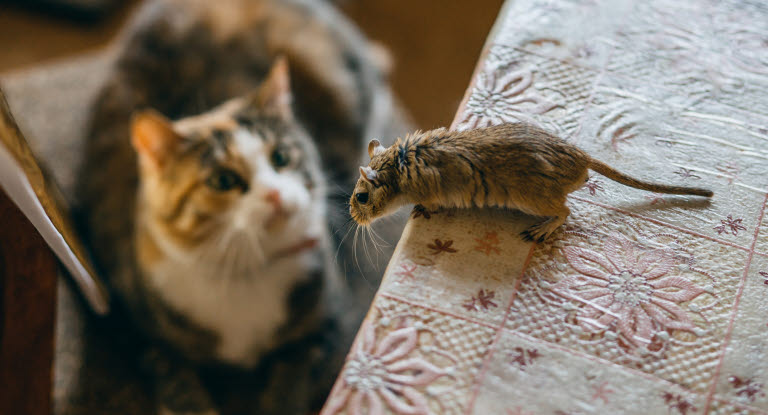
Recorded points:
(28, 275)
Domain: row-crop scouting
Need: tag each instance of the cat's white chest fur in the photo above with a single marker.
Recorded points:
(244, 311)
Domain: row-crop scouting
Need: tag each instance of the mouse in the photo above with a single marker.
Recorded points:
(513, 165)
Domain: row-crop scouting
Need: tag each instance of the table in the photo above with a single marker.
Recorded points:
(641, 303)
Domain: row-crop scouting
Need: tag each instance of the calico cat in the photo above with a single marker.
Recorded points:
(216, 231)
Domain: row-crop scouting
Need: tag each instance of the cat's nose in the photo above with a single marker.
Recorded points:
(279, 214)
(273, 198)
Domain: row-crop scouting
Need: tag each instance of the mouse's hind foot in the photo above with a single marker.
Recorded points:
(537, 233)
(540, 232)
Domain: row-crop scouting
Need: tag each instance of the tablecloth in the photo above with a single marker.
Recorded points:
(640, 303)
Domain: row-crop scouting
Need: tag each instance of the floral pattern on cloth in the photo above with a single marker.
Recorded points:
(505, 96)
(631, 292)
(390, 372)
(627, 288)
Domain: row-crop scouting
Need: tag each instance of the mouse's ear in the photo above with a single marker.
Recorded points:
(368, 174)
(375, 148)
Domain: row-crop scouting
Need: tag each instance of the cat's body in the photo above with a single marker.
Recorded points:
(218, 239)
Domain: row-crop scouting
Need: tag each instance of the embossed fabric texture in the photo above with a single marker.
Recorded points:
(640, 303)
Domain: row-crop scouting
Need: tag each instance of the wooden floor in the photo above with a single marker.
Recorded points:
(435, 44)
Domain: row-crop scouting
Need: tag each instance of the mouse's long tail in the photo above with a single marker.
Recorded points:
(624, 179)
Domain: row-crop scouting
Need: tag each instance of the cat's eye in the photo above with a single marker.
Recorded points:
(361, 197)
(245, 120)
(224, 180)
(280, 157)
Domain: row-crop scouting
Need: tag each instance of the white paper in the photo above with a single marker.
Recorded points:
(17, 187)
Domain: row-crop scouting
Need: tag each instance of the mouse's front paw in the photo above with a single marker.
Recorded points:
(424, 211)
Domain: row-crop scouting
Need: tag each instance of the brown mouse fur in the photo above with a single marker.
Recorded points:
(513, 165)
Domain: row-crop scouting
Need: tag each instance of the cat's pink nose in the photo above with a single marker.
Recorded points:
(273, 198)
(278, 215)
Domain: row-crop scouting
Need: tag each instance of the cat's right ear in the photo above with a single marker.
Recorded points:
(274, 95)
(153, 137)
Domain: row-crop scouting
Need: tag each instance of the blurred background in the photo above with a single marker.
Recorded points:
(435, 43)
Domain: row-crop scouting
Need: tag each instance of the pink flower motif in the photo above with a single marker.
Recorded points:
(489, 243)
(764, 274)
(406, 272)
(384, 374)
(626, 288)
(601, 392)
(594, 186)
(686, 173)
(439, 247)
(524, 357)
(483, 301)
(730, 225)
(746, 388)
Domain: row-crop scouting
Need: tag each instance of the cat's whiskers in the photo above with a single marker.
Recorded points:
(243, 247)
(235, 251)
(229, 254)
(256, 245)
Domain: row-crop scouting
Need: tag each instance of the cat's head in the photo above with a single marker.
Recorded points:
(240, 184)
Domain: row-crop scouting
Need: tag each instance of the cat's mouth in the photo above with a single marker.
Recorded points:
(295, 249)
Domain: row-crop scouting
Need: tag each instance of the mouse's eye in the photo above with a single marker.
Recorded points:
(224, 180)
(362, 197)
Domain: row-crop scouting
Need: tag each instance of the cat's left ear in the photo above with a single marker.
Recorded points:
(153, 137)
(274, 94)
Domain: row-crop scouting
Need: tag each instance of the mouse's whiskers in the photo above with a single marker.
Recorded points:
(365, 237)
(377, 240)
(349, 225)
(354, 246)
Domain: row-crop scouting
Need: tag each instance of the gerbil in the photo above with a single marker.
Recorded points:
(514, 165)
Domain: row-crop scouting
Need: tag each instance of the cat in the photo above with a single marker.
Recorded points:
(208, 198)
